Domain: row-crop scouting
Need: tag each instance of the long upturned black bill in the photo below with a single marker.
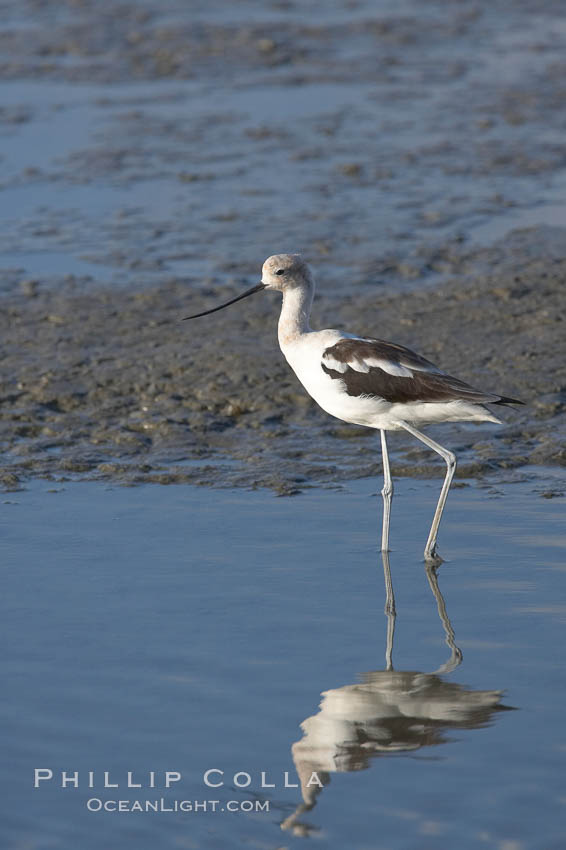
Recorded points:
(245, 294)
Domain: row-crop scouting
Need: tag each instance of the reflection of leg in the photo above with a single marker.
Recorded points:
(307, 764)
(292, 823)
(387, 494)
(456, 654)
(430, 548)
(389, 610)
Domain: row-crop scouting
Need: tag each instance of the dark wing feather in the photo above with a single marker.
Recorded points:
(402, 377)
(388, 351)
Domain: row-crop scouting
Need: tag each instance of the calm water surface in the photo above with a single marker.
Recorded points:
(180, 629)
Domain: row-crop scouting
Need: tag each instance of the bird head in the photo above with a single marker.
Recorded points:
(280, 272)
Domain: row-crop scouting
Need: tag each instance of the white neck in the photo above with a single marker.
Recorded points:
(295, 312)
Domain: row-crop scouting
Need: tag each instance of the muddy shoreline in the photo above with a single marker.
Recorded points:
(113, 385)
(152, 157)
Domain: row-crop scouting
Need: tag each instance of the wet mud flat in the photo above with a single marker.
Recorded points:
(113, 385)
(152, 158)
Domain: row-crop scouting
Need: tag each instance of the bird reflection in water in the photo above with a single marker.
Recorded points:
(389, 711)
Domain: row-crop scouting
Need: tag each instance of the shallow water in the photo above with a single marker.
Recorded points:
(184, 629)
(195, 142)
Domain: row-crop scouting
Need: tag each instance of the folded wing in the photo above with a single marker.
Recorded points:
(373, 367)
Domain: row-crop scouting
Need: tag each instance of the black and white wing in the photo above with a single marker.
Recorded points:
(373, 367)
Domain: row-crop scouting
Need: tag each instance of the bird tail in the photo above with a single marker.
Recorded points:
(505, 400)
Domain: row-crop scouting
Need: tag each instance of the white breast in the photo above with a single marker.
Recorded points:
(304, 356)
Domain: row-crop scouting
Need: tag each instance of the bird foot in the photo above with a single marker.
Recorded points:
(432, 558)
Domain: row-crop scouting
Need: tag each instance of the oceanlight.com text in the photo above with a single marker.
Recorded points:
(95, 804)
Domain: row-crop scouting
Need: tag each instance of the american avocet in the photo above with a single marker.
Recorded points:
(368, 381)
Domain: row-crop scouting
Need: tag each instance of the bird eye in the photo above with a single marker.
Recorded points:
(280, 271)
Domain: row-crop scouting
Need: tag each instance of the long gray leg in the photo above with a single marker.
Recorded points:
(450, 458)
(387, 494)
